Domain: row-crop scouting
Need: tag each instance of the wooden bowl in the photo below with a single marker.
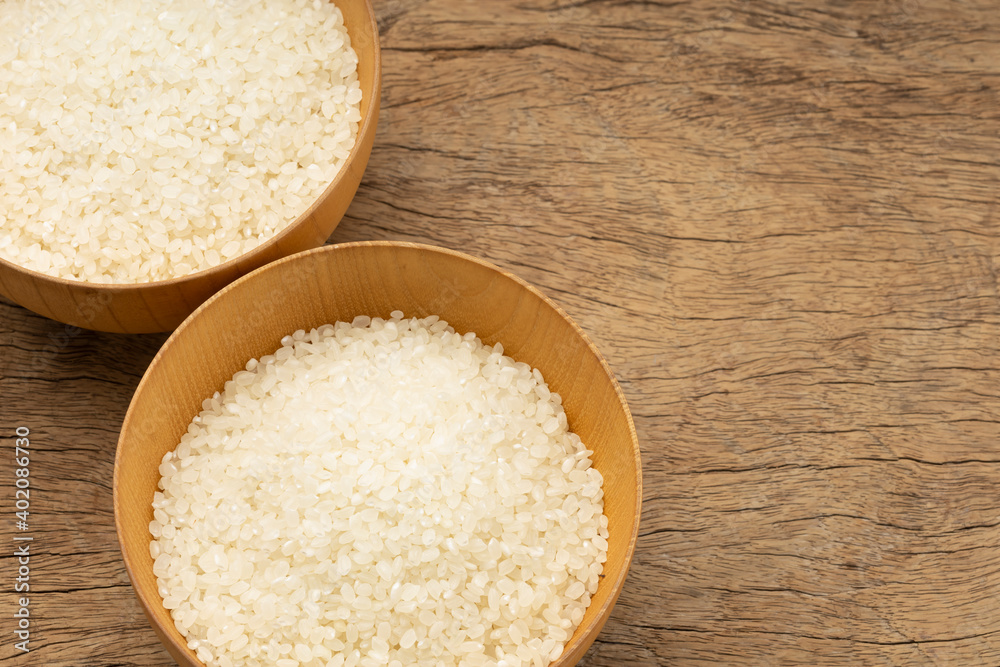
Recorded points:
(162, 305)
(248, 318)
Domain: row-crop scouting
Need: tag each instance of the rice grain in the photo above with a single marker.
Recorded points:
(371, 493)
(126, 125)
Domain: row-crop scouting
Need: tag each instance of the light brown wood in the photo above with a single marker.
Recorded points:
(160, 306)
(248, 319)
(778, 223)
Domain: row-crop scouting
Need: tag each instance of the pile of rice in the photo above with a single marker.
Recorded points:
(142, 140)
(385, 492)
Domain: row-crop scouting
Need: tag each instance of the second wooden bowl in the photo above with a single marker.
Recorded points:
(248, 318)
(162, 305)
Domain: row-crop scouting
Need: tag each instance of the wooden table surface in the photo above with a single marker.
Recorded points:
(779, 224)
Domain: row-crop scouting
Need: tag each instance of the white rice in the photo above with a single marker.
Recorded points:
(379, 493)
(142, 140)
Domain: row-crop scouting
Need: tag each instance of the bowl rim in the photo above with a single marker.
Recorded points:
(248, 257)
(603, 612)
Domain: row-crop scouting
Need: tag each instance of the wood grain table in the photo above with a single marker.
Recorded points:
(779, 224)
